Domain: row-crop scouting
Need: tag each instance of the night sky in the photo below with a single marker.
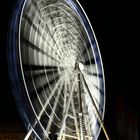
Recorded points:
(114, 24)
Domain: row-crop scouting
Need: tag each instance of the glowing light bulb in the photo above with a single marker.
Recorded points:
(81, 66)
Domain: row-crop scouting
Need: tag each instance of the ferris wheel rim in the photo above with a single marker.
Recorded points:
(83, 69)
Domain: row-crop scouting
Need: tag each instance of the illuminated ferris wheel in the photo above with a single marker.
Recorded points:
(56, 70)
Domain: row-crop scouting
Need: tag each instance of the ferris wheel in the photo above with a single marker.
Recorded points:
(56, 71)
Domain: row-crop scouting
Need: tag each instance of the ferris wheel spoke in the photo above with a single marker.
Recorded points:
(45, 86)
(54, 107)
(50, 96)
(90, 61)
(27, 19)
(94, 74)
(47, 102)
(34, 47)
(43, 37)
(63, 123)
(29, 44)
(37, 67)
(39, 73)
(95, 99)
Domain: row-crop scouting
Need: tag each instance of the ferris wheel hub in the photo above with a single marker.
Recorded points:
(81, 66)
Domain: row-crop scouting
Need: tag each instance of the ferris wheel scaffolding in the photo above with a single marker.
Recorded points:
(80, 131)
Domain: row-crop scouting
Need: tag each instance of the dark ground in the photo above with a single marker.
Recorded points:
(115, 27)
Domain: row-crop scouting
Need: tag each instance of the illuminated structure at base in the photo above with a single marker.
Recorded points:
(56, 70)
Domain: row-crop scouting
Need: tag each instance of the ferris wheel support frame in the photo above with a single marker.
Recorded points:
(80, 77)
(43, 109)
(96, 109)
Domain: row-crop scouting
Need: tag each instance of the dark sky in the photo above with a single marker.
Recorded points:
(9, 117)
(7, 105)
(114, 24)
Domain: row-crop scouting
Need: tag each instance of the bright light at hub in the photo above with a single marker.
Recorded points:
(81, 66)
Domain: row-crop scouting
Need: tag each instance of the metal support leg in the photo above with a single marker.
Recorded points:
(81, 111)
(96, 109)
(66, 112)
